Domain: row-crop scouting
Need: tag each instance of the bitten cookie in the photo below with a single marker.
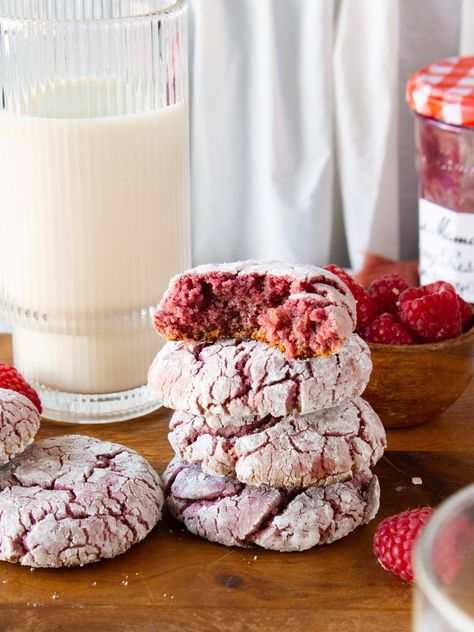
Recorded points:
(295, 451)
(302, 310)
(233, 514)
(19, 423)
(250, 379)
(72, 500)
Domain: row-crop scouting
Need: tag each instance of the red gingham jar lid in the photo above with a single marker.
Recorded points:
(444, 90)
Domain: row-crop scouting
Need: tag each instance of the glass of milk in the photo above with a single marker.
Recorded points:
(94, 194)
(444, 568)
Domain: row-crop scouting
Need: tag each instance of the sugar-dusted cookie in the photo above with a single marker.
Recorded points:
(244, 378)
(294, 451)
(234, 514)
(71, 500)
(302, 310)
(19, 423)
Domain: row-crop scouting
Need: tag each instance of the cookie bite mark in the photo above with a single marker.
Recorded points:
(302, 310)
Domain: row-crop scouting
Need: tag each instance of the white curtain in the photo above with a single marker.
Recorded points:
(302, 144)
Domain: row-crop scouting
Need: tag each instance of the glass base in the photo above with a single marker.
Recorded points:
(96, 409)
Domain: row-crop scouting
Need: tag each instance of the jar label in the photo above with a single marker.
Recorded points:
(447, 247)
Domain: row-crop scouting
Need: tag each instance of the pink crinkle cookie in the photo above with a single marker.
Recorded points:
(295, 451)
(19, 423)
(234, 514)
(245, 378)
(72, 500)
(302, 310)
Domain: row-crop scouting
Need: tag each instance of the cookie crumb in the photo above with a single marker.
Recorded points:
(94, 584)
(55, 596)
(399, 488)
(255, 557)
(416, 480)
(125, 582)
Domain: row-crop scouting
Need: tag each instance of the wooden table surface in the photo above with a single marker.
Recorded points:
(175, 581)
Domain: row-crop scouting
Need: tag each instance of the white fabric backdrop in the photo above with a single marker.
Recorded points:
(298, 103)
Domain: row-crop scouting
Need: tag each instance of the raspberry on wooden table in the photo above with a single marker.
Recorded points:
(431, 312)
(11, 379)
(394, 540)
(366, 310)
(385, 292)
(388, 330)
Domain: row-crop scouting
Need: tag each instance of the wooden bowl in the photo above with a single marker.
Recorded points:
(412, 384)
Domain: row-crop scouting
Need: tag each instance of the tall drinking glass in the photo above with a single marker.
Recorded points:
(94, 194)
(444, 568)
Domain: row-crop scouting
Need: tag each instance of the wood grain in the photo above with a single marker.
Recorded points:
(175, 581)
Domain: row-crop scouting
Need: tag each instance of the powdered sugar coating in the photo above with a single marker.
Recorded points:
(19, 423)
(233, 514)
(72, 500)
(245, 378)
(295, 451)
(303, 310)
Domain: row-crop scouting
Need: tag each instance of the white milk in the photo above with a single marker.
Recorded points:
(93, 223)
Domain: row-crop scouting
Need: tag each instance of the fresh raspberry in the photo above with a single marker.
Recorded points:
(431, 312)
(466, 314)
(394, 539)
(365, 306)
(11, 379)
(385, 291)
(386, 329)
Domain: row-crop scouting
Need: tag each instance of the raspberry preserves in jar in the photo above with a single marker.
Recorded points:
(442, 95)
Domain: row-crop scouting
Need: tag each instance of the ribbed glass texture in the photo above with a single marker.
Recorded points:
(94, 192)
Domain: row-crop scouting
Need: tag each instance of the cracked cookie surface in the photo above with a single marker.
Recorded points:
(250, 379)
(19, 423)
(72, 500)
(294, 451)
(234, 514)
(302, 310)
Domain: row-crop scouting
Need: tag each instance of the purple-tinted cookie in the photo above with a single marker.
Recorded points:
(19, 423)
(250, 379)
(295, 451)
(72, 500)
(302, 310)
(228, 512)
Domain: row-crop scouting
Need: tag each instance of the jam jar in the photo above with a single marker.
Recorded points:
(442, 97)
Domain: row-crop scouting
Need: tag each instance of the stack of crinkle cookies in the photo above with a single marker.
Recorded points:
(70, 500)
(273, 442)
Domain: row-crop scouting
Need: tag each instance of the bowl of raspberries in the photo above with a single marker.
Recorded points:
(422, 344)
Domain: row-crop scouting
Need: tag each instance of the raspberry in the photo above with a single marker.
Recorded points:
(388, 330)
(431, 312)
(394, 539)
(365, 306)
(466, 313)
(11, 379)
(385, 291)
